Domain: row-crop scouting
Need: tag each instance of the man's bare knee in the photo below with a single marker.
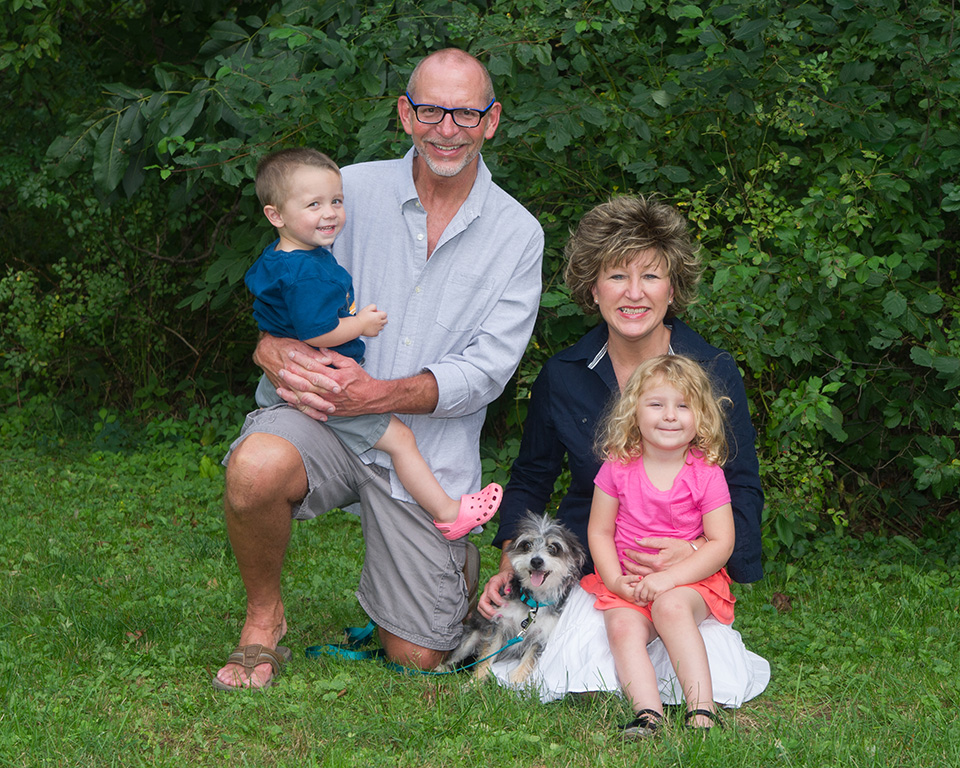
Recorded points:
(408, 654)
(263, 469)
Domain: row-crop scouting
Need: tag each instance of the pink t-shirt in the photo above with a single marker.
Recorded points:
(645, 510)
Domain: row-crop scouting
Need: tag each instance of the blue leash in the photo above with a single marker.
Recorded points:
(358, 637)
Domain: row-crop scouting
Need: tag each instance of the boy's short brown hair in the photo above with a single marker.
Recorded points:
(274, 170)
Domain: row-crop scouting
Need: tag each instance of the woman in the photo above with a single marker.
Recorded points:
(632, 261)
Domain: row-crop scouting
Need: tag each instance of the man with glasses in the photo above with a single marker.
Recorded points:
(455, 263)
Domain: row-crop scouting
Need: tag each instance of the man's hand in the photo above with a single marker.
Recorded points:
(321, 382)
(329, 383)
(274, 355)
(669, 552)
(372, 320)
(313, 381)
(490, 599)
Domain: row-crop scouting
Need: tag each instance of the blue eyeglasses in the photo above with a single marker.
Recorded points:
(431, 114)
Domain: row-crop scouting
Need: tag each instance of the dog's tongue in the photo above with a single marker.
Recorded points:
(536, 578)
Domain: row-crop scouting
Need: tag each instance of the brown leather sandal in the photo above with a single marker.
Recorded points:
(251, 656)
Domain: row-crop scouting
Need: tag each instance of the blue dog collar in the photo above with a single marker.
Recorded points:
(535, 604)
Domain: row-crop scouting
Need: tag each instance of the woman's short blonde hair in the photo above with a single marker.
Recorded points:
(620, 438)
(615, 232)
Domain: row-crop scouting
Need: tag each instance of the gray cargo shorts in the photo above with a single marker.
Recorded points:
(412, 582)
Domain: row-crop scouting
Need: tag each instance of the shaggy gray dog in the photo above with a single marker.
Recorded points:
(546, 559)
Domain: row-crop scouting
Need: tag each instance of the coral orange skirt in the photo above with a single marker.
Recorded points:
(715, 591)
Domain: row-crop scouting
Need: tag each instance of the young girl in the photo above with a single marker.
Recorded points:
(663, 444)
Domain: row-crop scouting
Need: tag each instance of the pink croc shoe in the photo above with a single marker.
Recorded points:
(475, 509)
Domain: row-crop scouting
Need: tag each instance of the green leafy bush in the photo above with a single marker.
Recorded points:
(813, 146)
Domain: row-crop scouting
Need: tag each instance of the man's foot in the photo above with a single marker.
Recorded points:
(237, 673)
(252, 658)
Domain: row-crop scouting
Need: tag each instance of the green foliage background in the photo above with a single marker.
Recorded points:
(814, 146)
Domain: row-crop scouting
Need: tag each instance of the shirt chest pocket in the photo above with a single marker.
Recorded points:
(685, 515)
(463, 305)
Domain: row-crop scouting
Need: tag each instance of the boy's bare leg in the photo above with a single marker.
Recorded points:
(265, 477)
(412, 470)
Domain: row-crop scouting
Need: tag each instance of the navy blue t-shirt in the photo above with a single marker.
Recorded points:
(301, 295)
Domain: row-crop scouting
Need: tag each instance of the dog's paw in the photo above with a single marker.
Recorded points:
(482, 671)
(524, 669)
(519, 676)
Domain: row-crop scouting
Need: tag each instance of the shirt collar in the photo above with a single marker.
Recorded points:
(471, 207)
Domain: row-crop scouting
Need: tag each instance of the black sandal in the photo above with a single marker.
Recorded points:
(645, 724)
(705, 713)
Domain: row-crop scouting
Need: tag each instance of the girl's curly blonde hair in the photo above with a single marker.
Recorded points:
(620, 439)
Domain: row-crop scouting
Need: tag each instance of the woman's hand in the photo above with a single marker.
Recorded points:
(491, 598)
(669, 553)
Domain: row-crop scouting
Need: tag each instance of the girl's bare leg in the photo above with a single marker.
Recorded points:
(676, 616)
(628, 632)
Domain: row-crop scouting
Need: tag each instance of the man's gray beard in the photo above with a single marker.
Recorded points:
(447, 171)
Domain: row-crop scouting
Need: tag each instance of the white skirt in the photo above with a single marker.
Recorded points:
(578, 659)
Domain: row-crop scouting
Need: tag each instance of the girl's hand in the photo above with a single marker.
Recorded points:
(654, 585)
(626, 587)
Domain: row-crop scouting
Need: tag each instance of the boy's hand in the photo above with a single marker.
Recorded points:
(372, 320)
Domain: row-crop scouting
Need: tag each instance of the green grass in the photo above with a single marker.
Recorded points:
(120, 598)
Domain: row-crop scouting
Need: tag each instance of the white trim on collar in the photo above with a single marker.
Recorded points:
(603, 352)
(600, 355)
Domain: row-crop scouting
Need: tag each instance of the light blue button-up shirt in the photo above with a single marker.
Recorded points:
(465, 314)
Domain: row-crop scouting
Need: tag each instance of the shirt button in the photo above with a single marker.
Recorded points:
(417, 289)
(420, 236)
(407, 342)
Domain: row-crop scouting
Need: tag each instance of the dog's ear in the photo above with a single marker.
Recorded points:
(579, 552)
